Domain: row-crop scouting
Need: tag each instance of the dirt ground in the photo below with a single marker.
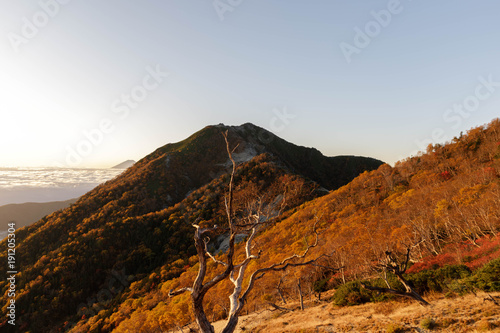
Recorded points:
(470, 313)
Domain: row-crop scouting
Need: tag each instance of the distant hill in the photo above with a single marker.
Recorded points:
(140, 222)
(28, 213)
(124, 165)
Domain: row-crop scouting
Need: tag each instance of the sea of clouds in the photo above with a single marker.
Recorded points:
(20, 185)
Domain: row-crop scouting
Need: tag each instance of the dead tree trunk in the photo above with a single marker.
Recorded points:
(279, 308)
(278, 287)
(391, 264)
(301, 297)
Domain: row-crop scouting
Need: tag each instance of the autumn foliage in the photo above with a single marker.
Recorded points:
(444, 202)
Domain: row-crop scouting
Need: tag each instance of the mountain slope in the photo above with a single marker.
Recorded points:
(140, 222)
(27, 213)
(440, 202)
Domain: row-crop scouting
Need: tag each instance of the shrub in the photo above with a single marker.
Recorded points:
(439, 279)
(459, 287)
(485, 326)
(380, 283)
(487, 278)
(320, 285)
(394, 328)
(428, 323)
(351, 293)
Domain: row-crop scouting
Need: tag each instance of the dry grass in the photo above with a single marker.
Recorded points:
(461, 314)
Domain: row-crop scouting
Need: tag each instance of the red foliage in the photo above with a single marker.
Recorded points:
(490, 171)
(489, 249)
(433, 263)
(472, 256)
(445, 175)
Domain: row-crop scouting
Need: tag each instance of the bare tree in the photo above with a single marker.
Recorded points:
(393, 265)
(232, 271)
(301, 297)
(279, 288)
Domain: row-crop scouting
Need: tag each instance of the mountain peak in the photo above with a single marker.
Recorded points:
(124, 165)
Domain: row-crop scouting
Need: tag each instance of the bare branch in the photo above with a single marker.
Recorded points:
(492, 299)
(206, 241)
(279, 308)
(283, 265)
(173, 293)
(391, 264)
(229, 198)
(397, 292)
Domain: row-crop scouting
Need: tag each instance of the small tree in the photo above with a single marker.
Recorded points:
(391, 264)
(233, 271)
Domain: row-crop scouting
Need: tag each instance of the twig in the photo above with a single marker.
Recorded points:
(492, 299)
(279, 308)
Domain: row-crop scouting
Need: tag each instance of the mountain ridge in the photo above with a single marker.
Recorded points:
(141, 220)
(129, 232)
(29, 212)
(442, 204)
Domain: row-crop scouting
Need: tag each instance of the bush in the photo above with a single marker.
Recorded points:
(351, 293)
(320, 286)
(437, 280)
(485, 326)
(394, 328)
(380, 283)
(450, 279)
(428, 323)
(487, 278)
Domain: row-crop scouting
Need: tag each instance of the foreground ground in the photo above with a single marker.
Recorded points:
(470, 313)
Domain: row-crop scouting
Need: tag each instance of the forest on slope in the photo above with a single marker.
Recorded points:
(125, 238)
(443, 202)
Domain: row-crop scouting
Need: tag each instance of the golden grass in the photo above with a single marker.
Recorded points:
(461, 314)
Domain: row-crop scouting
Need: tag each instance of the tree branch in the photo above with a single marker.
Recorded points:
(206, 241)
(173, 293)
(492, 299)
(397, 292)
(279, 308)
(391, 264)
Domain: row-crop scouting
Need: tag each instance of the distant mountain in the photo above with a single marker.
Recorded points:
(28, 213)
(124, 165)
(139, 223)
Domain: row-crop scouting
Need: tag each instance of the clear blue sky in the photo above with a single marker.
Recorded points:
(84, 83)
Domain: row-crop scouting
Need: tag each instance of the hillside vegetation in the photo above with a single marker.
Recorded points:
(124, 239)
(444, 202)
(131, 238)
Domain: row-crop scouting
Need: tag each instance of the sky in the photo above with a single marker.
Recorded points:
(93, 83)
